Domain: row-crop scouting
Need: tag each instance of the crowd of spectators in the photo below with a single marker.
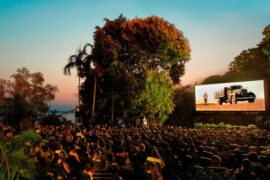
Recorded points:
(74, 152)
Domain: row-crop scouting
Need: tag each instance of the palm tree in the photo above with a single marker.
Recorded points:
(86, 66)
(92, 68)
(77, 61)
(14, 163)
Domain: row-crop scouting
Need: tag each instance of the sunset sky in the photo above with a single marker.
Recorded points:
(40, 35)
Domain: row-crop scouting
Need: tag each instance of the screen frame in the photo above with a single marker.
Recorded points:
(265, 91)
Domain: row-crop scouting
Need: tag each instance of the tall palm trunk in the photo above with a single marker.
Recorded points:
(79, 97)
(112, 103)
(79, 101)
(93, 101)
(112, 117)
(8, 170)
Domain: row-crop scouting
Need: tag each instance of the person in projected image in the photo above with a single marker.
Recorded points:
(205, 97)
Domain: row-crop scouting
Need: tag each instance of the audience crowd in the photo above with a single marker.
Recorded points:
(74, 152)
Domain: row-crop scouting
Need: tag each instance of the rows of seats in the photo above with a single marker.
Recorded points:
(74, 152)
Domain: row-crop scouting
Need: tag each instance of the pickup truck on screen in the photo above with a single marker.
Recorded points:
(233, 94)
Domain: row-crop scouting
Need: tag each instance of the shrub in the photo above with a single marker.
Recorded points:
(252, 126)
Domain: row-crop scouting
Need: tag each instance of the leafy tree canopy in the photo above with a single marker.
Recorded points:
(134, 46)
(129, 53)
(25, 94)
(184, 111)
(15, 164)
(253, 63)
(155, 101)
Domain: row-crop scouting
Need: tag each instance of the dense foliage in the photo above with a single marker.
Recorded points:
(127, 53)
(155, 101)
(253, 63)
(14, 163)
(25, 95)
(184, 110)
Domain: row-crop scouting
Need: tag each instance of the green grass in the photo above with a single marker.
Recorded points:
(223, 125)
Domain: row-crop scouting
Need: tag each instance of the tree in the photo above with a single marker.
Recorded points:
(140, 44)
(213, 79)
(267, 53)
(266, 40)
(15, 164)
(252, 63)
(253, 60)
(76, 61)
(127, 50)
(184, 111)
(155, 101)
(87, 67)
(25, 95)
(2, 91)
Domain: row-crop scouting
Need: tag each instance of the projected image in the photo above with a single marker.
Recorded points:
(236, 96)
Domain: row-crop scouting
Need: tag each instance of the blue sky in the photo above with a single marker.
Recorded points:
(41, 34)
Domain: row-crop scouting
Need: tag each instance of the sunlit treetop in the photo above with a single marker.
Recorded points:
(142, 44)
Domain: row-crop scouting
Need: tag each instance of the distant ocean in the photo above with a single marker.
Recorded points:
(66, 111)
(70, 116)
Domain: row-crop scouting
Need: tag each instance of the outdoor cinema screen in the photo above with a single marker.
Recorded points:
(234, 96)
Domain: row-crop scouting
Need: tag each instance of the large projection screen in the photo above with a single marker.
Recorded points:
(234, 96)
